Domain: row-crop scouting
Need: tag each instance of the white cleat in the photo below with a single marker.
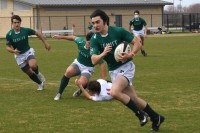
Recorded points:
(57, 97)
(41, 86)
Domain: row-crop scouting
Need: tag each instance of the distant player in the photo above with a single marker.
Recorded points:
(99, 90)
(82, 66)
(139, 29)
(17, 43)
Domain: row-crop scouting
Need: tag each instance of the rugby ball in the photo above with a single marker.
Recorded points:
(121, 48)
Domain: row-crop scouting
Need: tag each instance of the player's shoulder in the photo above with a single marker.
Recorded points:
(9, 33)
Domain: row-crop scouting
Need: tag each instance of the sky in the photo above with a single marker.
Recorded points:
(184, 2)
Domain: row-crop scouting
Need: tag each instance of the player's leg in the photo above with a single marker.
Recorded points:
(71, 71)
(86, 73)
(141, 35)
(117, 89)
(144, 106)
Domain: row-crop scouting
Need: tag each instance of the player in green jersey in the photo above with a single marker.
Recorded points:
(81, 66)
(103, 44)
(17, 43)
(139, 29)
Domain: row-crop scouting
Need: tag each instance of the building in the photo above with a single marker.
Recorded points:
(57, 14)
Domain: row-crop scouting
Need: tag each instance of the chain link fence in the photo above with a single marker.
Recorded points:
(171, 22)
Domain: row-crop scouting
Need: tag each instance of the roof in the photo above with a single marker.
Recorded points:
(93, 2)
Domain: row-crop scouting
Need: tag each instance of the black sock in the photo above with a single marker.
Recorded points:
(131, 105)
(152, 114)
(63, 83)
(35, 78)
(36, 70)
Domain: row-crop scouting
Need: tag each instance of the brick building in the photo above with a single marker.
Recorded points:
(56, 14)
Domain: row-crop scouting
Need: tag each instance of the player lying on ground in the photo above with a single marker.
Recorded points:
(98, 90)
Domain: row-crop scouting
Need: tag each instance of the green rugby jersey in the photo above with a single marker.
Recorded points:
(19, 40)
(90, 27)
(114, 37)
(138, 24)
(84, 56)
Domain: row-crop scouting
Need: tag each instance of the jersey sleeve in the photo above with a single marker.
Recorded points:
(94, 45)
(144, 22)
(30, 31)
(126, 36)
(8, 38)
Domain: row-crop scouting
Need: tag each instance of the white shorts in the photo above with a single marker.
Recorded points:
(127, 70)
(22, 59)
(138, 33)
(83, 68)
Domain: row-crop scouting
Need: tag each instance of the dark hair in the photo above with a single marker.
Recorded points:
(136, 11)
(94, 86)
(89, 35)
(102, 14)
(16, 17)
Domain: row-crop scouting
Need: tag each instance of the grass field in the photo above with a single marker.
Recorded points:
(169, 79)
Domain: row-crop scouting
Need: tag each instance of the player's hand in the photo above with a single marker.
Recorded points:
(107, 49)
(56, 37)
(125, 56)
(16, 51)
(47, 46)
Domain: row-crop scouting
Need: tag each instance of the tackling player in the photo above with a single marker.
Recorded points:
(81, 66)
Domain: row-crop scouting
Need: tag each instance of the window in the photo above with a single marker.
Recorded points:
(3, 4)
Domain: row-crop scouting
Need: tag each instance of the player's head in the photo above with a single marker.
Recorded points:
(94, 87)
(88, 37)
(99, 20)
(16, 21)
(136, 12)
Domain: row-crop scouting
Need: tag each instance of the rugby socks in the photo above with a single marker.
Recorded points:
(36, 70)
(35, 78)
(63, 83)
(131, 105)
(152, 114)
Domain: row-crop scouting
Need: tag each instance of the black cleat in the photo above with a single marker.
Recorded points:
(77, 93)
(143, 118)
(157, 122)
(143, 53)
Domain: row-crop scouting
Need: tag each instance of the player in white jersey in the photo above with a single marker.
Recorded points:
(98, 90)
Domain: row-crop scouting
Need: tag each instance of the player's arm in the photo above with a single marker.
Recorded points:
(85, 93)
(102, 65)
(97, 58)
(145, 31)
(136, 45)
(40, 36)
(129, 28)
(70, 38)
(12, 50)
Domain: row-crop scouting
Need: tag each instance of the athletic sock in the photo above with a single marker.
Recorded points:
(152, 114)
(36, 70)
(63, 83)
(35, 78)
(131, 105)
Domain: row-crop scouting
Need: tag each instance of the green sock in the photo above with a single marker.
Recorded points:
(152, 114)
(35, 78)
(63, 83)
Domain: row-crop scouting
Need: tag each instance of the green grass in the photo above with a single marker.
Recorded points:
(169, 79)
